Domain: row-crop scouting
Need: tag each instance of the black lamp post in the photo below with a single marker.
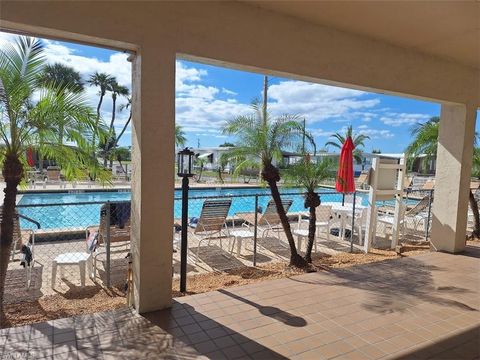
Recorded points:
(184, 170)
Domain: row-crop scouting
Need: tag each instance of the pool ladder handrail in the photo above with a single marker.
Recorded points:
(36, 223)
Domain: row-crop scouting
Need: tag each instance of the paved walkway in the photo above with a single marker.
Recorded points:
(412, 308)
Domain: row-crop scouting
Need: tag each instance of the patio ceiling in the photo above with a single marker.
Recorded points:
(448, 29)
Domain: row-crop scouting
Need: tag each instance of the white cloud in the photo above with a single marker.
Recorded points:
(403, 119)
(318, 102)
(375, 133)
(228, 92)
(321, 132)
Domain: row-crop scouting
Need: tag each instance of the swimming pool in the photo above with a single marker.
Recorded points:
(67, 210)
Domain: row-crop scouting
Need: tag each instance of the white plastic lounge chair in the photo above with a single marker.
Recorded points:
(418, 214)
(211, 224)
(360, 223)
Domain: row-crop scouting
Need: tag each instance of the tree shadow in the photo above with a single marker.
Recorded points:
(393, 286)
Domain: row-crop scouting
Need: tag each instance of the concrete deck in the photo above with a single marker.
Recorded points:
(423, 307)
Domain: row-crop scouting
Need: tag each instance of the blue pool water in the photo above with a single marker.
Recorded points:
(64, 214)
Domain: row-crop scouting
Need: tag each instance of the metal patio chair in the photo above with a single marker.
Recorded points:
(211, 224)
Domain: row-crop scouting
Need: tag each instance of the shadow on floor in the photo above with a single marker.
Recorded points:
(396, 285)
(217, 258)
(271, 311)
(190, 333)
(463, 345)
(16, 284)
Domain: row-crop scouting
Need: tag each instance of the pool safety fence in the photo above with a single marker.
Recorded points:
(72, 246)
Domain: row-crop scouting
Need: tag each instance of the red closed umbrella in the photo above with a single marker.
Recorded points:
(30, 160)
(345, 181)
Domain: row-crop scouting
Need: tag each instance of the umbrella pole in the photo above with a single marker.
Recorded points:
(343, 199)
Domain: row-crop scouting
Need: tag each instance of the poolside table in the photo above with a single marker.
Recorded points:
(343, 211)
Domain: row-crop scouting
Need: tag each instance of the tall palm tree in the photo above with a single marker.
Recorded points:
(26, 124)
(260, 139)
(424, 142)
(103, 81)
(117, 90)
(310, 175)
(358, 140)
(180, 138)
(61, 76)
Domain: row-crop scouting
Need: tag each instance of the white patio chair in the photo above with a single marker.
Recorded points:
(324, 220)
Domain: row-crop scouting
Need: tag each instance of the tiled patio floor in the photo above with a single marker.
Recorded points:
(412, 308)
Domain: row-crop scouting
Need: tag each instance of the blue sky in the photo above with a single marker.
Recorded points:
(207, 96)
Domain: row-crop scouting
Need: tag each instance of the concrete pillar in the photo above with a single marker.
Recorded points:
(153, 146)
(452, 179)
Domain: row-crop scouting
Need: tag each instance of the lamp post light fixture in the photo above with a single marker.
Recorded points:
(184, 170)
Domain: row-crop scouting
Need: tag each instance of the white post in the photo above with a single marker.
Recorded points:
(370, 229)
(398, 205)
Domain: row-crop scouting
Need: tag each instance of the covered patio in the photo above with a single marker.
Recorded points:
(418, 308)
(422, 307)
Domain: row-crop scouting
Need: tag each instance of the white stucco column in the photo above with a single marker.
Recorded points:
(452, 179)
(153, 176)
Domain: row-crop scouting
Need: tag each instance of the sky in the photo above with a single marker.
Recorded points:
(208, 96)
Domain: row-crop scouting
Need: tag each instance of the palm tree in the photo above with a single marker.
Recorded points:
(358, 141)
(261, 139)
(222, 163)
(310, 175)
(25, 124)
(103, 81)
(200, 162)
(425, 141)
(180, 138)
(116, 89)
(65, 79)
(61, 76)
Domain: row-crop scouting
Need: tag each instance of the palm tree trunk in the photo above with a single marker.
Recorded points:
(220, 175)
(265, 98)
(12, 173)
(123, 130)
(476, 216)
(271, 175)
(110, 133)
(312, 227)
(200, 175)
(97, 121)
